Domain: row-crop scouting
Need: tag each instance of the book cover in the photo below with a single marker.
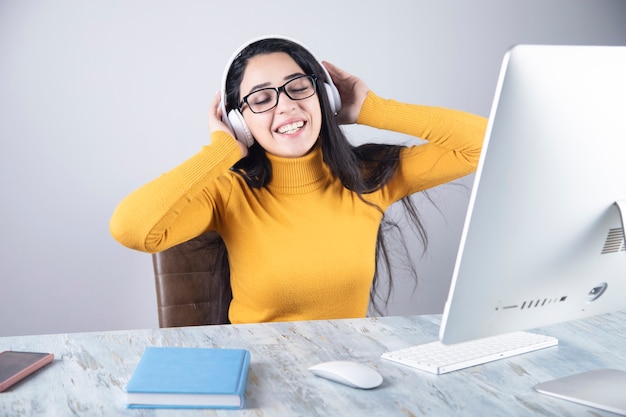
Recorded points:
(178, 377)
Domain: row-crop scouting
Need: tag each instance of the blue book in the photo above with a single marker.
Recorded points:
(177, 377)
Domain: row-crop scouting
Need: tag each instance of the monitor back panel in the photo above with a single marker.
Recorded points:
(543, 240)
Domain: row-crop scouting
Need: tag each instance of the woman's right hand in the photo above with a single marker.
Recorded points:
(216, 123)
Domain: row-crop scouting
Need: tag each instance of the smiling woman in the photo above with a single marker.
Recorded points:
(300, 209)
(286, 124)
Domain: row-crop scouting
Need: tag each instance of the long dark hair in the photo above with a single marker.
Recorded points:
(363, 169)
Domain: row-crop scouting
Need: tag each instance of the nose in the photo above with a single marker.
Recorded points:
(285, 103)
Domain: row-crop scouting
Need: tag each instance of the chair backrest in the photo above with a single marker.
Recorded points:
(191, 288)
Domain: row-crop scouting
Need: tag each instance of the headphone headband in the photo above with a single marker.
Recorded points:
(234, 119)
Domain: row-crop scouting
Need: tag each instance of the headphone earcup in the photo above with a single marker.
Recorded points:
(239, 127)
(333, 96)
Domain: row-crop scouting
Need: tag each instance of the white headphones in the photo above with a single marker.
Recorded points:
(234, 119)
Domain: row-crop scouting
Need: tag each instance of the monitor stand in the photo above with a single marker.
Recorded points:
(602, 388)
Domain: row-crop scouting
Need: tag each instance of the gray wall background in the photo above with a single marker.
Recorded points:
(98, 97)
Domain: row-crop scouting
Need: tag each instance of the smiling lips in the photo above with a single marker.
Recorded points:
(291, 128)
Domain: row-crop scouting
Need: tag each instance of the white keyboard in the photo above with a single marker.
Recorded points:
(437, 358)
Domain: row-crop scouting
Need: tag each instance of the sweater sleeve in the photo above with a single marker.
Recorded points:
(452, 149)
(169, 209)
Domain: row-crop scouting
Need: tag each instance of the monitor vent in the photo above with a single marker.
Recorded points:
(540, 302)
(534, 303)
(614, 241)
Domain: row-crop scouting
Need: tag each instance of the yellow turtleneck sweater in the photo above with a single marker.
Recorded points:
(302, 248)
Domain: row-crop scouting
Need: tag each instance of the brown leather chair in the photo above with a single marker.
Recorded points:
(191, 288)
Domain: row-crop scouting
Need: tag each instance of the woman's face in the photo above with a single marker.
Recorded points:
(292, 127)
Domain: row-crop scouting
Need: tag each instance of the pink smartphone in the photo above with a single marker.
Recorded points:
(15, 366)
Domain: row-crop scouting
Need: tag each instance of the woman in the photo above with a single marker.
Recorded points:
(300, 209)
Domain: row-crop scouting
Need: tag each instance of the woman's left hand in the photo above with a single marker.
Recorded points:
(352, 91)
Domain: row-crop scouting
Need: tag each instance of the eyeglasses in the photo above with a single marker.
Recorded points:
(265, 99)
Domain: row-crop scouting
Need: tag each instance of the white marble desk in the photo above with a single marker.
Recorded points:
(91, 370)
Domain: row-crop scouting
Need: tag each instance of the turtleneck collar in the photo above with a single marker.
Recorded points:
(298, 175)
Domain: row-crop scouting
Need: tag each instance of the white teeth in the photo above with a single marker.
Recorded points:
(291, 128)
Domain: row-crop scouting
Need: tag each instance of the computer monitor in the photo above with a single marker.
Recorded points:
(543, 240)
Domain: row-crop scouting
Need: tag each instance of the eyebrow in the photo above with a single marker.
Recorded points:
(266, 85)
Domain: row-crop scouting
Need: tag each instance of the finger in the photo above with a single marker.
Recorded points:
(334, 71)
(216, 109)
(216, 99)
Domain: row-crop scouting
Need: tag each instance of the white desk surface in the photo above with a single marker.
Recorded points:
(91, 370)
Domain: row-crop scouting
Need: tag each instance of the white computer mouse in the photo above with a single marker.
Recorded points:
(352, 374)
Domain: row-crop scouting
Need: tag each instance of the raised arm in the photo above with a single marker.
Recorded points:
(454, 142)
(454, 138)
(446, 127)
(176, 206)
